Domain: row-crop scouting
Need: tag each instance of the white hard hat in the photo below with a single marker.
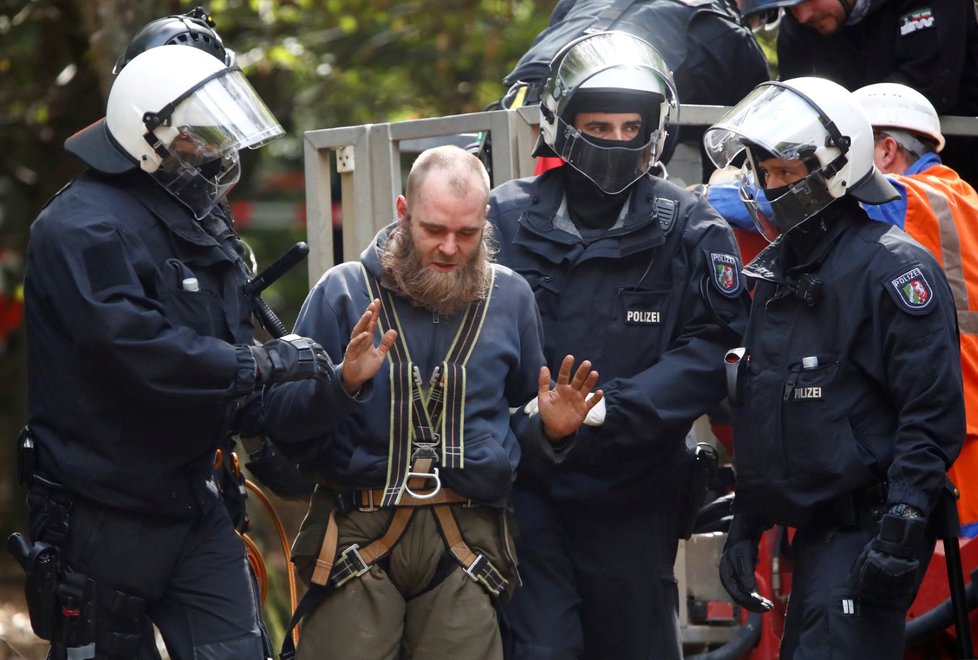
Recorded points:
(892, 105)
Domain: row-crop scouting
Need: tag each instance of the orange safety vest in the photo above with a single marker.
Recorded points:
(942, 214)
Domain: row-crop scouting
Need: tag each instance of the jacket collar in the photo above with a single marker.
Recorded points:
(771, 263)
(641, 229)
(177, 217)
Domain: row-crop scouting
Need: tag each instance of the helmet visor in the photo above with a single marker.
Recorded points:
(602, 52)
(200, 188)
(227, 113)
(759, 208)
(205, 128)
(777, 211)
(772, 117)
(612, 166)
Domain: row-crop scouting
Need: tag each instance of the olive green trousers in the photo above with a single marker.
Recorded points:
(394, 611)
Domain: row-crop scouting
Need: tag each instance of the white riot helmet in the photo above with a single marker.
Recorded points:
(891, 105)
(180, 115)
(607, 72)
(810, 119)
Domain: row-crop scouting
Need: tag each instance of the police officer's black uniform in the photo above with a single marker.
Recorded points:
(850, 402)
(654, 303)
(138, 331)
(711, 52)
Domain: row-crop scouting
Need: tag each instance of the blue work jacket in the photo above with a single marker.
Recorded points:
(346, 443)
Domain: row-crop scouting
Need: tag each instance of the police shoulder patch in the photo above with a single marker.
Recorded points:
(725, 273)
(916, 20)
(911, 291)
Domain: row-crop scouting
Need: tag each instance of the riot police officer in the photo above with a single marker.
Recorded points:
(712, 54)
(140, 346)
(273, 470)
(848, 402)
(644, 278)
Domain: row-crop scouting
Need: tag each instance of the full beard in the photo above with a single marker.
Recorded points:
(442, 293)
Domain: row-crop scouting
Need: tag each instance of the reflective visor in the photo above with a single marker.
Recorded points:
(227, 113)
(211, 122)
(771, 117)
(601, 52)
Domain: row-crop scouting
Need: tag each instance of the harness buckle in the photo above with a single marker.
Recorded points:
(483, 572)
(353, 564)
(426, 450)
(472, 569)
(371, 505)
(426, 476)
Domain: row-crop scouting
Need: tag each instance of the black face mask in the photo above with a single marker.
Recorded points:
(589, 206)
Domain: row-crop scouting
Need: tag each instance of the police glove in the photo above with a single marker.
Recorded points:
(737, 564)
(887, 567)
(291, 358)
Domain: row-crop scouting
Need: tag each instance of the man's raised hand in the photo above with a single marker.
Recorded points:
(362, 359)
(564, 406)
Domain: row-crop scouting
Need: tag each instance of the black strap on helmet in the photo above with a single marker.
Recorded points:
(154, 120)
(836, 138)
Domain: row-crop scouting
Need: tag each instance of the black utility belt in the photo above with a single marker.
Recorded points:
(859, 509)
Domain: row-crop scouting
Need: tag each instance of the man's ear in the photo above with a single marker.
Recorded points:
(890, 153)
(402, 210)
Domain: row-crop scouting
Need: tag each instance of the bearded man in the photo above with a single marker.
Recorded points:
(405, 546)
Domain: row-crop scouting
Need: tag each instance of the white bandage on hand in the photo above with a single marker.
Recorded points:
(595, 416)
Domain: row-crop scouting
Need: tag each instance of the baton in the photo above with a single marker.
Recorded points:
(263, 280)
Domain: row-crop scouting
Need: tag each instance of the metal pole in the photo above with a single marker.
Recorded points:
(950, 529)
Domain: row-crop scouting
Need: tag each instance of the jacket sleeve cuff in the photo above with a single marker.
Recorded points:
(247, 376)
(554, 451)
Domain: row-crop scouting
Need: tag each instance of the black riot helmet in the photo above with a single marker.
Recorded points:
(195, 28)
(607, 72)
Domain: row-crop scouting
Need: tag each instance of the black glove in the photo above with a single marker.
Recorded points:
(291, 358)
(887, 567)
(737, 565)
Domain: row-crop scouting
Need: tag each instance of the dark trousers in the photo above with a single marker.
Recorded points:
(193, 575)
(596, 584)
(825, 619)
